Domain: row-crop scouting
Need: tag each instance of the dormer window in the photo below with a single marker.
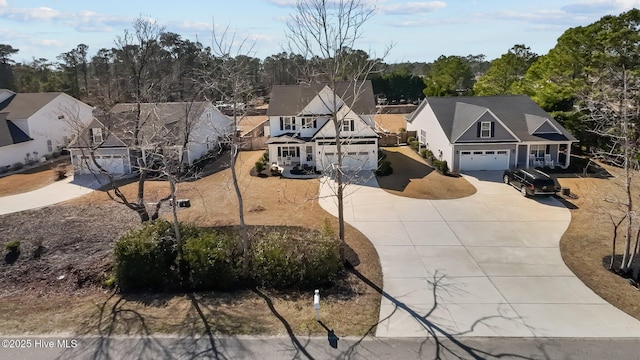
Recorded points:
(96, 135)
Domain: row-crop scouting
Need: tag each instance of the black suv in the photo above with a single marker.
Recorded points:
(530, 182)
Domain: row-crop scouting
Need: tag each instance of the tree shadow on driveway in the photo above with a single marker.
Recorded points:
(445, 344)
(404, 169)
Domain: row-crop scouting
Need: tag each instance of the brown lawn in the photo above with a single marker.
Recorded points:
(413, 178)
(27, 180)
(350, 307)
(587, 242)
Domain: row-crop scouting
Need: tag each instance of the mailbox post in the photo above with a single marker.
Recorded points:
(316, 304)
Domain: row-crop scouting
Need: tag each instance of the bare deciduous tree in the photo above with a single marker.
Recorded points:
(230, 78)
(324, 32)
(612, 106)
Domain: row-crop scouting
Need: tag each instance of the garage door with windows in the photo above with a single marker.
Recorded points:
(484, 160)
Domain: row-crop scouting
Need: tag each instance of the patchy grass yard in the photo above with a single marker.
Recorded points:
(78, 238)
(413, 178)
(587, 242)
(27, 180)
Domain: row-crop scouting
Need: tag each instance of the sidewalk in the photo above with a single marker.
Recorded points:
(59, 191)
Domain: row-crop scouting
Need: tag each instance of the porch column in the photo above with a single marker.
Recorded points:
(528, 157)
(568, 159)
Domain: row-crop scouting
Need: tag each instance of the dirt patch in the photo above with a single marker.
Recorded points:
(413, 178)
(78, 238)
(587, 241)
(29, 180)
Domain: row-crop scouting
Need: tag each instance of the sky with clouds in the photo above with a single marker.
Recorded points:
(418, 30)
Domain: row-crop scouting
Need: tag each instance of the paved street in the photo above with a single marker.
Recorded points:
(485, 265)
(282, 347)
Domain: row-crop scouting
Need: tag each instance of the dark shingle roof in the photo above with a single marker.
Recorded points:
(456, 114)
(291, 99)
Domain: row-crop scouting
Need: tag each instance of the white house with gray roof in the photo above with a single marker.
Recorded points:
(193, 128)
(33, 125)
(490, 133)
(303, 133)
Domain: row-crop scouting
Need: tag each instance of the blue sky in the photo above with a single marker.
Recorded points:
(419, 30)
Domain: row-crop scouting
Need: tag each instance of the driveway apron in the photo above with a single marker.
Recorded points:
(485, 265)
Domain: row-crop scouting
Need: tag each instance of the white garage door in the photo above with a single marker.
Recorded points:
(114, 164)
(484, 160)
(350, 161)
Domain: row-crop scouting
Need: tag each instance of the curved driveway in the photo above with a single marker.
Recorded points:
(59, 191)
(485, 265)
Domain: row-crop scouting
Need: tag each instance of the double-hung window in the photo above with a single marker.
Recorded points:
(96, 135)
(485, 129)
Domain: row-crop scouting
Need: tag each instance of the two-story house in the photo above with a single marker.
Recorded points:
(302, 130)
(192, 128)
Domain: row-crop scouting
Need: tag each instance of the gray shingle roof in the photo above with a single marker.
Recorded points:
(23, 105)
(291, 99)
(517, 112)
(159, 122)
(18, 107)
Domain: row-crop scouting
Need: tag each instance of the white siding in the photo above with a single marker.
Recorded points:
(436, 139)
(45, 124)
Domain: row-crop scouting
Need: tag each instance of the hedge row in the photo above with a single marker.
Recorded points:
(280, 257)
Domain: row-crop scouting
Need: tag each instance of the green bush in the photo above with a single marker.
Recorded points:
(265, 156)
(17, 166)
(441, 166)
(4, 169)
(215, 260)
(259, 166)
(426, 153)
(55, 154)
(384, 168)
(146, 258)
(285, 260)
(414, 144)
(411, 139)
(12, 246)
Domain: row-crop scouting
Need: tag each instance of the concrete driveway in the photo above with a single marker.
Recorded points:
(485, 265)
(59, 191)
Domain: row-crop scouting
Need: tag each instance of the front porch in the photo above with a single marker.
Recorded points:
(543, 155)
(296, 171)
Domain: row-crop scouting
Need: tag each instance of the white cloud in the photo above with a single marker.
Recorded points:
(81, 20)
(601, 6)
(412, 8)
(47, 42)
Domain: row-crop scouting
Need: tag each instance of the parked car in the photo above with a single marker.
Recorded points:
(530, 182)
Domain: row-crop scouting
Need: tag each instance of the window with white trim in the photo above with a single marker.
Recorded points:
(49, 146)
(288, 123)
(347, 125)
(96, 135)
(288, 151)
(423, 136)
(538, 151)
(308, 122)
(485, 129)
